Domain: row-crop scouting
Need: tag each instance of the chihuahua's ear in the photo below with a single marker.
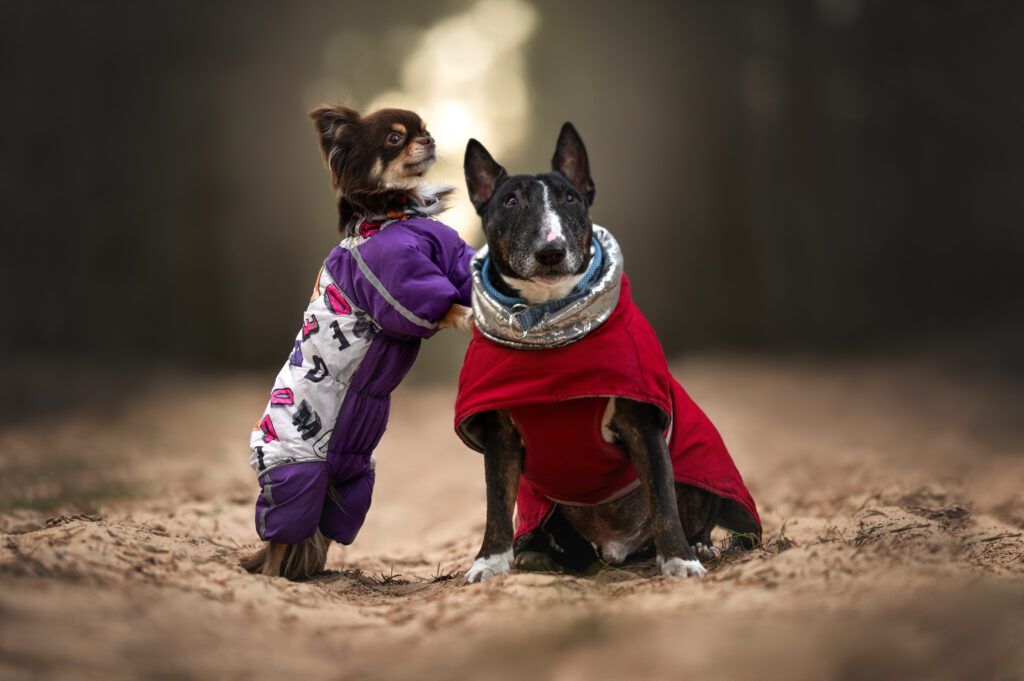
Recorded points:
(482, 174)
(570, 159)
(331, 123)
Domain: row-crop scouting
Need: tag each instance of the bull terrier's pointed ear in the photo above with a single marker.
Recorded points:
(482, 174)
(331, 124)
(570, 159)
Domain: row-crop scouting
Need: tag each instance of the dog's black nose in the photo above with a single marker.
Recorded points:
(551, 253)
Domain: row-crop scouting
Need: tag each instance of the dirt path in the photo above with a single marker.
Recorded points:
(893, 499)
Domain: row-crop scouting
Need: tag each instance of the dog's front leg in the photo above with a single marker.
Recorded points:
(458, 317)
(503, 466)
(638, 427)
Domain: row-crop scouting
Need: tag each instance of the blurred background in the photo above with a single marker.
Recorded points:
(809, 176)
(821, 208)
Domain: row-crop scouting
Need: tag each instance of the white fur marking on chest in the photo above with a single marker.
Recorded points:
(607, 434)
(551, 223)
(490, 566)
(536, 292)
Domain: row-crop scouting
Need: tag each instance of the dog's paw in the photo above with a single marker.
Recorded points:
(535, 561)
(707, 552)
(677, 567)
(458, 317)
(489, 566)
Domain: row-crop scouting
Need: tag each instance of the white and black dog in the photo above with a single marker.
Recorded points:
(539, 235)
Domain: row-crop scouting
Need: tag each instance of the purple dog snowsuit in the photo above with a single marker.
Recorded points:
(378, 294)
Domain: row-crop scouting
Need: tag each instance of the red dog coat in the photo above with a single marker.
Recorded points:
(567, 459)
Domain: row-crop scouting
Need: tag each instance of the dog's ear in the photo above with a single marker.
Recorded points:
(482, 174)
(331, 124)
(570, 159)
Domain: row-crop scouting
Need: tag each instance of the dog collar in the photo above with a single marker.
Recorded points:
(513, 322)
(427, 201)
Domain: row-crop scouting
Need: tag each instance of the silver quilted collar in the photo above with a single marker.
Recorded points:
(502, 323)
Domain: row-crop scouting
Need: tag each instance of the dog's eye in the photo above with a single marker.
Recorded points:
(511, 201)
(570, 197)
(394, 138)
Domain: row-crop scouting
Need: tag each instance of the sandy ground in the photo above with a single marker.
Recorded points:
(892, 494)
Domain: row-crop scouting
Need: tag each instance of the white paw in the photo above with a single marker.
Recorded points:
(490, 566)
(677, 567)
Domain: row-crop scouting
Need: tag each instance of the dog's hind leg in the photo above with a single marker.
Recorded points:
(746, 531)
(554, 546)
(638, 428)
(698, 513)
(291, 561)
(254, 562)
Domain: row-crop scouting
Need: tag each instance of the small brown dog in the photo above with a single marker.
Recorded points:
(397, 276)
(377, 162)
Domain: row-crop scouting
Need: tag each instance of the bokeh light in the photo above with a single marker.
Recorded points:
(466, 76)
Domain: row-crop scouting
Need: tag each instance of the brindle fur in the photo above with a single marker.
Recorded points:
(638, 428)
(503, 467)
(626, 522)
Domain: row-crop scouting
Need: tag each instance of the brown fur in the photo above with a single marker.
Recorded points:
(458, 317)
(371, 172)
(291, 561)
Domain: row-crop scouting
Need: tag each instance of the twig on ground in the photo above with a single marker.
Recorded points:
(996, 537)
